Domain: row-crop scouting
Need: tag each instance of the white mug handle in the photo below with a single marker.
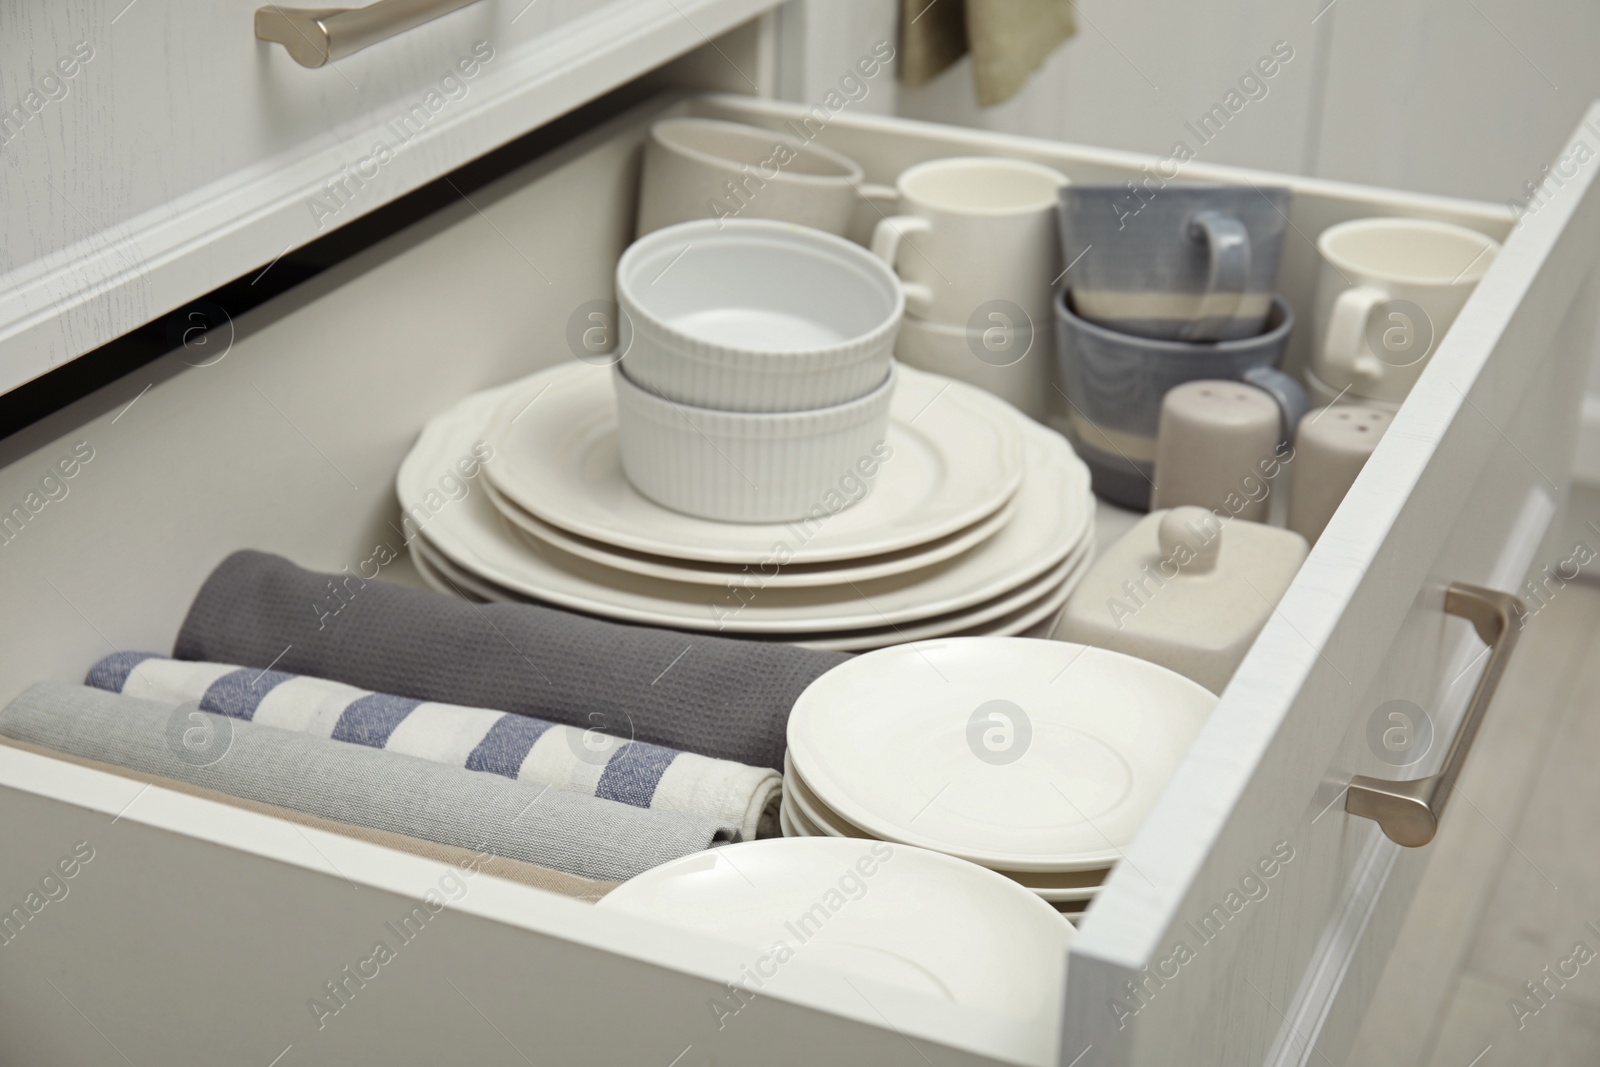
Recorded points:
(1345, 345)
(886, 246)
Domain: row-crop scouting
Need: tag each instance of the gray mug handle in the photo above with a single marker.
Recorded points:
(1227, 276)
(1287, 391)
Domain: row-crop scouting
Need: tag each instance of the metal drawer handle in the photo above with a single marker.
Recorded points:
(1409, 812)
(315, 36)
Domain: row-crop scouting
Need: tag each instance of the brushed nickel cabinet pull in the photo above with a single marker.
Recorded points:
(315, 36)
(1409, 812)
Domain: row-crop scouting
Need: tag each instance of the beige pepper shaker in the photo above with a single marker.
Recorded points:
(1330, 448)
(1214, 443)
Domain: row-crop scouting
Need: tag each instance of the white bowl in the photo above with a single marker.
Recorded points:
(756, 316)
(749, 466)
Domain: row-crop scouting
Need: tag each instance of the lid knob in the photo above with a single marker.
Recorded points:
(1193, 528)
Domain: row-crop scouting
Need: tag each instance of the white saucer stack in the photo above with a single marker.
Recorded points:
(1036, 759)
(972, 520)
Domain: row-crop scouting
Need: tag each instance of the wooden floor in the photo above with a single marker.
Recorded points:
(1514, 886)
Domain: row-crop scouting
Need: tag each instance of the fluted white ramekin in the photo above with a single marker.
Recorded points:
(754, 315)
(772, 466)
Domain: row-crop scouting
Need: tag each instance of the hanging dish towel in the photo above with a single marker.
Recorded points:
(553, 828)
(715, 696)
(515, 746)
(1008, 40)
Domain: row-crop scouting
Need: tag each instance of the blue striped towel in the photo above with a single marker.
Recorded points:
(515, 746)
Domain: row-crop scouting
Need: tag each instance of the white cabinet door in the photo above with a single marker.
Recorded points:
(154, 150)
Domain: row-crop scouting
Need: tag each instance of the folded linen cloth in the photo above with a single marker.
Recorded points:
(582, 835)
(567, 885)
(1008, 39)
(715, 696)
(515, 746)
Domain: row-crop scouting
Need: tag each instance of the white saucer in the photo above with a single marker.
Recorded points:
(957, 458)
(809, 817)
(793, 575)
(909, 744)
(1053, 518)
(892, 914)
(996, 618)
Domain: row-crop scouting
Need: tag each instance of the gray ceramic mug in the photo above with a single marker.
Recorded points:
(1185, 261)
(1115, 381)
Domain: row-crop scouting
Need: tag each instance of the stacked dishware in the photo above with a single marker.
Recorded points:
(875, 916)
(758, 366)
(1036, 759)
(975, 242)
(1168, 284)
(756, 464)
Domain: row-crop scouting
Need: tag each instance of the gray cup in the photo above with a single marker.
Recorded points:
(1115, 381)
(1185, 261)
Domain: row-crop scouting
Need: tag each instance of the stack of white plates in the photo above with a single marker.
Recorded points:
(970, 519)
(1036, 759)
(901, 918)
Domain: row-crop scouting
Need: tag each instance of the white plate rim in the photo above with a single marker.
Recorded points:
(857, 570)
(702, 537)
(446, 576)
(454, 527)
(848, 808)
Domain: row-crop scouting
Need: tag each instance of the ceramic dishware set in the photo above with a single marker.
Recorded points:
(877, 915)
(1166, 286)
(755, 461)
(1036, 759)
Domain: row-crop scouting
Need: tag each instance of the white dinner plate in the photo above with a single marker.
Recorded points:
(773, 576)
(996, 618)
(895, 915)
(1018, 754)
(811, 818)
(957, 457)
(1053, 518)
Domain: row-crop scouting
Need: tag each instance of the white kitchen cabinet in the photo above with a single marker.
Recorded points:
(199, 931)
(153, 151)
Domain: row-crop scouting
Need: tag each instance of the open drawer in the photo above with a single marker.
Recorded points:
(199, 932)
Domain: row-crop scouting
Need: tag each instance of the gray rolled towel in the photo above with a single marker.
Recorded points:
(565, 831)
(716, 696)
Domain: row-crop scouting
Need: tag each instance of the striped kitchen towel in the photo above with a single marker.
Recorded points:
(361, 786)
(515, 746)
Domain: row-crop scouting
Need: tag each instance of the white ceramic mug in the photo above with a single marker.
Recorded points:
(1388, 291)
(973, 235)
(706, 168)
(1021, 378)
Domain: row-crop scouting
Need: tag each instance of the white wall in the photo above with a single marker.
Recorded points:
(1460, 97)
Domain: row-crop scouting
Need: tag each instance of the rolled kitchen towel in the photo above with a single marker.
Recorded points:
(515, 746)
(553, 828)
(715, 696)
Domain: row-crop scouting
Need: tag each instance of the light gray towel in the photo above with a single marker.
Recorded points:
(479, 739)
(566, 831)
(716, 696)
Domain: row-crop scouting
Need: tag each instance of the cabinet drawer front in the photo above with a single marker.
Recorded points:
(289, 443)
(157, 151)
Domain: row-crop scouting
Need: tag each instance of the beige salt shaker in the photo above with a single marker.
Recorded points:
(1214, 446)
(1330, 448)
